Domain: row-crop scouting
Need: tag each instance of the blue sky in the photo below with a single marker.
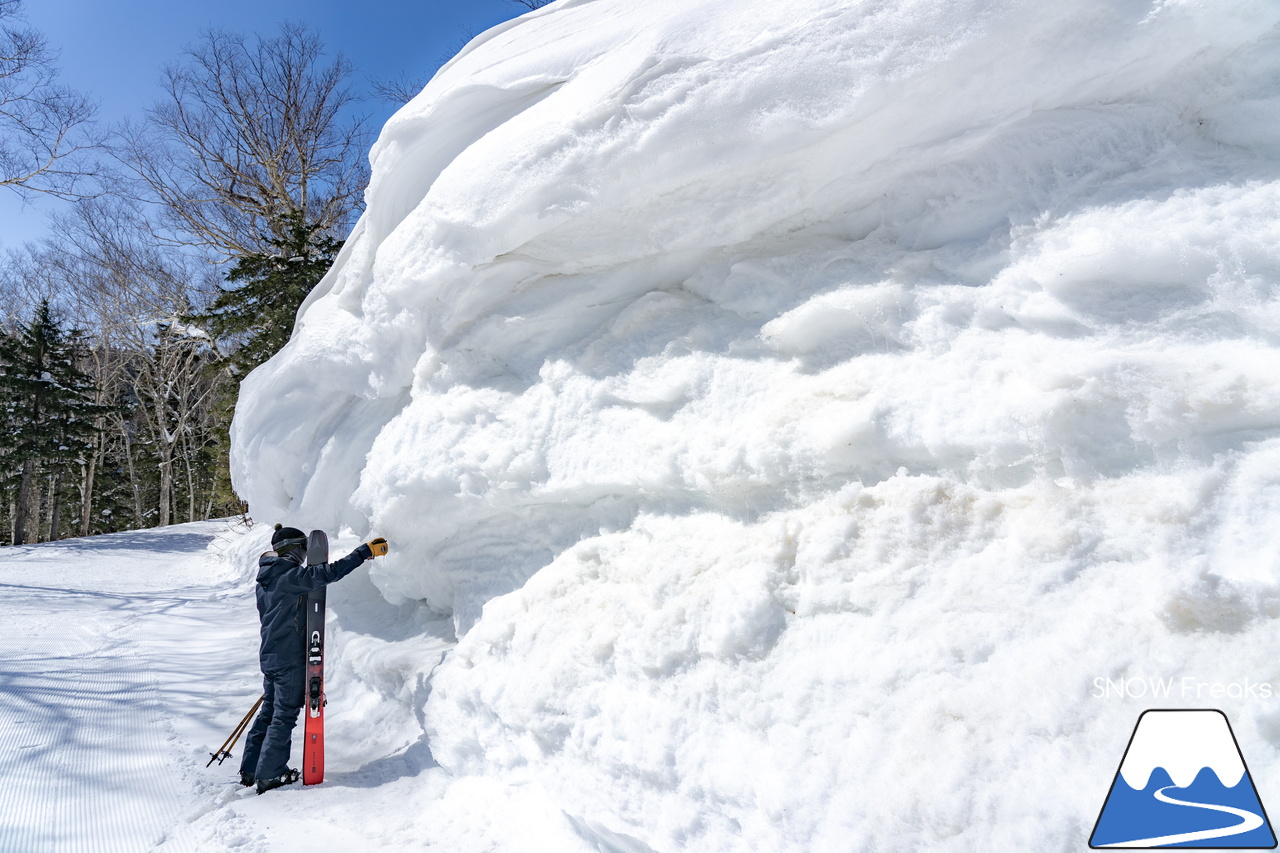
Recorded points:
(114, 50)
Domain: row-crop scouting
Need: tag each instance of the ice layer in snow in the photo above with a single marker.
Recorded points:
(802, 408)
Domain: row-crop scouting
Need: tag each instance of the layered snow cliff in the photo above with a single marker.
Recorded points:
(800, 405)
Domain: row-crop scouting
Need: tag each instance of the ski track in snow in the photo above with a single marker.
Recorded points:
(127, 659)
(99, 662)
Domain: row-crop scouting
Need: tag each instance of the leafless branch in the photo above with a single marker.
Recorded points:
(399, 90)
(47, 131)
(248, 134)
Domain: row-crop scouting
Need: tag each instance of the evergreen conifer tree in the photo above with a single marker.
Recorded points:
(256, 318)
(258, 314)
(46, 402)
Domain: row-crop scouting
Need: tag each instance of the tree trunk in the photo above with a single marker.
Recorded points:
(22, 515)
(133, 479)
(86, 494)
(191, 496)
(191, 481)
(86, 487)
(42, 511)
(55, 508)
(166, 490)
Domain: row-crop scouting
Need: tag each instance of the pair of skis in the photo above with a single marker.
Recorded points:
(314, 701)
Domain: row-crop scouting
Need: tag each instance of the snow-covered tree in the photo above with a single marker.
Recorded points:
(165, 376)
(46, 402)
(258, 313)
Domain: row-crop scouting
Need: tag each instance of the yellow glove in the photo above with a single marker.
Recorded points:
(378, 547)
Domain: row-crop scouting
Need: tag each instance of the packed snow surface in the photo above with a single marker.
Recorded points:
(107, 673)
(127, 659)
(809, 412)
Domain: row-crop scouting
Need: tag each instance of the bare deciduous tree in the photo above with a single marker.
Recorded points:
(250, 134)
(398, 90)
(133, 295)
(46, 129)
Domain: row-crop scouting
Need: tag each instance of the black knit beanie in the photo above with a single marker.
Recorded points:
(286, 539)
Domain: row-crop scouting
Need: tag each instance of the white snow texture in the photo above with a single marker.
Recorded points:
(799, 405)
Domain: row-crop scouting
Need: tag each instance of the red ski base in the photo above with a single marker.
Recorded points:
(313, 749)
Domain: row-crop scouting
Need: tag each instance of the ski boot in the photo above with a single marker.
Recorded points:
(288, 777)
(246, 778)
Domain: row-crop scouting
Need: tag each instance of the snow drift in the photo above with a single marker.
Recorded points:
(798, 406)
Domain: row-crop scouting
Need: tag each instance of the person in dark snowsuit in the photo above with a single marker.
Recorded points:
(284, 580)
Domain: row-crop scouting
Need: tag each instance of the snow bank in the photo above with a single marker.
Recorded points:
(815, 399)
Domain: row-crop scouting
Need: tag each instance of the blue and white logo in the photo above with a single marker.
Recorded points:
(1183, 783)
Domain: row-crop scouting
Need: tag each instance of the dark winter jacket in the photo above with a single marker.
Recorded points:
(282, 587)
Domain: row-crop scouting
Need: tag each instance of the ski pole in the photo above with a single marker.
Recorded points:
(244, 724)
(224, 751)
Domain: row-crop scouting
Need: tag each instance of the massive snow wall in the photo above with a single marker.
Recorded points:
(799, 405)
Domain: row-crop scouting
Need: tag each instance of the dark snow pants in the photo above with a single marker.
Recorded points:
(266, 748)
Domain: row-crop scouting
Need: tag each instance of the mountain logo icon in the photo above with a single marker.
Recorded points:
(1183, 783)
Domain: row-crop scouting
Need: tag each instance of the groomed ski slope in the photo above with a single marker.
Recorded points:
(794, 409)
(109, 659)
(126, 659)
